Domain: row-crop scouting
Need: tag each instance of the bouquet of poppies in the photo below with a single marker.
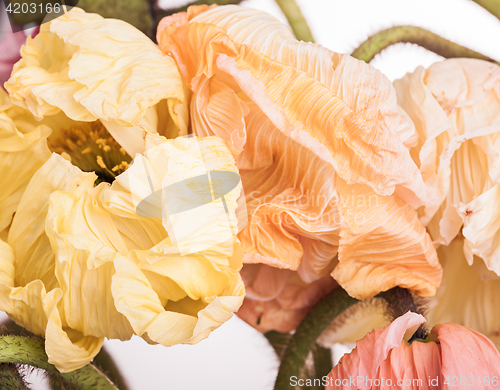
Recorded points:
(160, 173)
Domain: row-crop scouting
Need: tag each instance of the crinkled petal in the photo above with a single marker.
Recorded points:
(300, 86)
(34, 256)
(464, 297)
(127, 76)
(467, 353)
(482, 228)
(383, 245)
(22, 151)
(135, 298)
(371, 352)
(455, 107)
(291, 200)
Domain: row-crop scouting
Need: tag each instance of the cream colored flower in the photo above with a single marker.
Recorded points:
(321, 145)
(93, 68)
(456, 109)
(23, 149)
(83, 262)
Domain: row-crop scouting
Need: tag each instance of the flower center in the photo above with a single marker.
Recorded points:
(92, 149)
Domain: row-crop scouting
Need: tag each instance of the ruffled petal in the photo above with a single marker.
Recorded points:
(455, 107)
(482, 228)
(291, 201)
(371, 352)
(464, 297)
(336, 114)
(128, 73)
(383, 245)
(83, 263)
(22, 151)
(34, 256)
(297, 86)
(184, 322)
(279, 299)
(467, 353)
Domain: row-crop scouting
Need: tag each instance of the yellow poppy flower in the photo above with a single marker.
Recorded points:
(23, 149)
(322, 147)
(92, 68)
(84, 262)
(455, 107)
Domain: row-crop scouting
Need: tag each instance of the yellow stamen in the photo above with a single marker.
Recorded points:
(92, 149)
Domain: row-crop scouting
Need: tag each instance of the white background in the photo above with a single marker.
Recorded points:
(236, 357)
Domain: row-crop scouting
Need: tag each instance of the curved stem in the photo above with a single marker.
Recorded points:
(105, 362)
(492, 6)
(411, 34)
(31, 351)
(297, 21)
(399, 301)
(307, 333)
(10, 378)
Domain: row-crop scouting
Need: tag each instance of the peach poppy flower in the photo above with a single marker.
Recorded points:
(321, 145)
(452, 356)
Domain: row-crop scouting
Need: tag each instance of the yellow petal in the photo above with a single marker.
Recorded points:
(127, 76)
(6, 264)
(34, 257)
(119, 271)
(23, 149)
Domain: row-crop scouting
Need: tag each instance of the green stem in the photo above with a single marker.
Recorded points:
(10, 378)
(307, 333)
(279, 341)
(296, 20)
(492, 6)
(411, 34)
(31, 351)
(399, 301)
(106, 364)
(323, 363)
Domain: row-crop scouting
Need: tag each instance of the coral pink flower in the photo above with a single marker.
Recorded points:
(455, 357)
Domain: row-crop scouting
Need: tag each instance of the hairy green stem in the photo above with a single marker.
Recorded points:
(492, 6)
(307, 333)
(411, 34)
(10, 378)
(296, 20)
(323, 363)
(31, 351)
(399, 301)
